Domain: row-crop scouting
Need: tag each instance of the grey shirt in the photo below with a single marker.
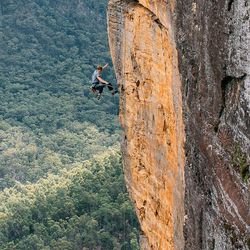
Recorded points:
(94, 76)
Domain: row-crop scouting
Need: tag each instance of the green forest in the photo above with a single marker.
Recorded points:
(61, 178)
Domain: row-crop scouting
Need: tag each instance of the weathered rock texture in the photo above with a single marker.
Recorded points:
(185, 64)
(151, 115)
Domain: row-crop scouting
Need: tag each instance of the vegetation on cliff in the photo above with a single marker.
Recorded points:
(239, 161)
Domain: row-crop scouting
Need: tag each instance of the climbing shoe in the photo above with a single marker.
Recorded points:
(98, 96)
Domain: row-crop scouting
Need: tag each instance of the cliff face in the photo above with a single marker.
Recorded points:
(213, 48)
(184, 64)
(145, 59)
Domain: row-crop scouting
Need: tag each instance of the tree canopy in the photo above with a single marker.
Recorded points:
(49, 118)
(61, 180)
(85, 207)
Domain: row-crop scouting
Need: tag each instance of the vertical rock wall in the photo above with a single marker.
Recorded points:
(185, 63)
(145, 60)
(213, 50)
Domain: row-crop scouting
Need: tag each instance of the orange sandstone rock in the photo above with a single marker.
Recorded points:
(146, 63)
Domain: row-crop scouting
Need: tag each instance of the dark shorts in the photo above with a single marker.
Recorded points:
(99, 87)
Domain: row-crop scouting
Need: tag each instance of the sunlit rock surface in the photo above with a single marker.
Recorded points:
(185, 65)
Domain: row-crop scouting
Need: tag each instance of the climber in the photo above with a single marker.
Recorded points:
(98, 84)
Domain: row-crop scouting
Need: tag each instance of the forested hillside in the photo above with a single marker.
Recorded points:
(49, 118)
(50, 124)
(86, 206)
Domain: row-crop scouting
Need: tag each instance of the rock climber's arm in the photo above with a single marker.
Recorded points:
(105, 66)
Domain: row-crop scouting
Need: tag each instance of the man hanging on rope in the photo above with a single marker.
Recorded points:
(98, 84)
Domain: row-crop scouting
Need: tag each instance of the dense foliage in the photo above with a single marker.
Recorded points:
(48, 116)
(54, 193)
(84, 207)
